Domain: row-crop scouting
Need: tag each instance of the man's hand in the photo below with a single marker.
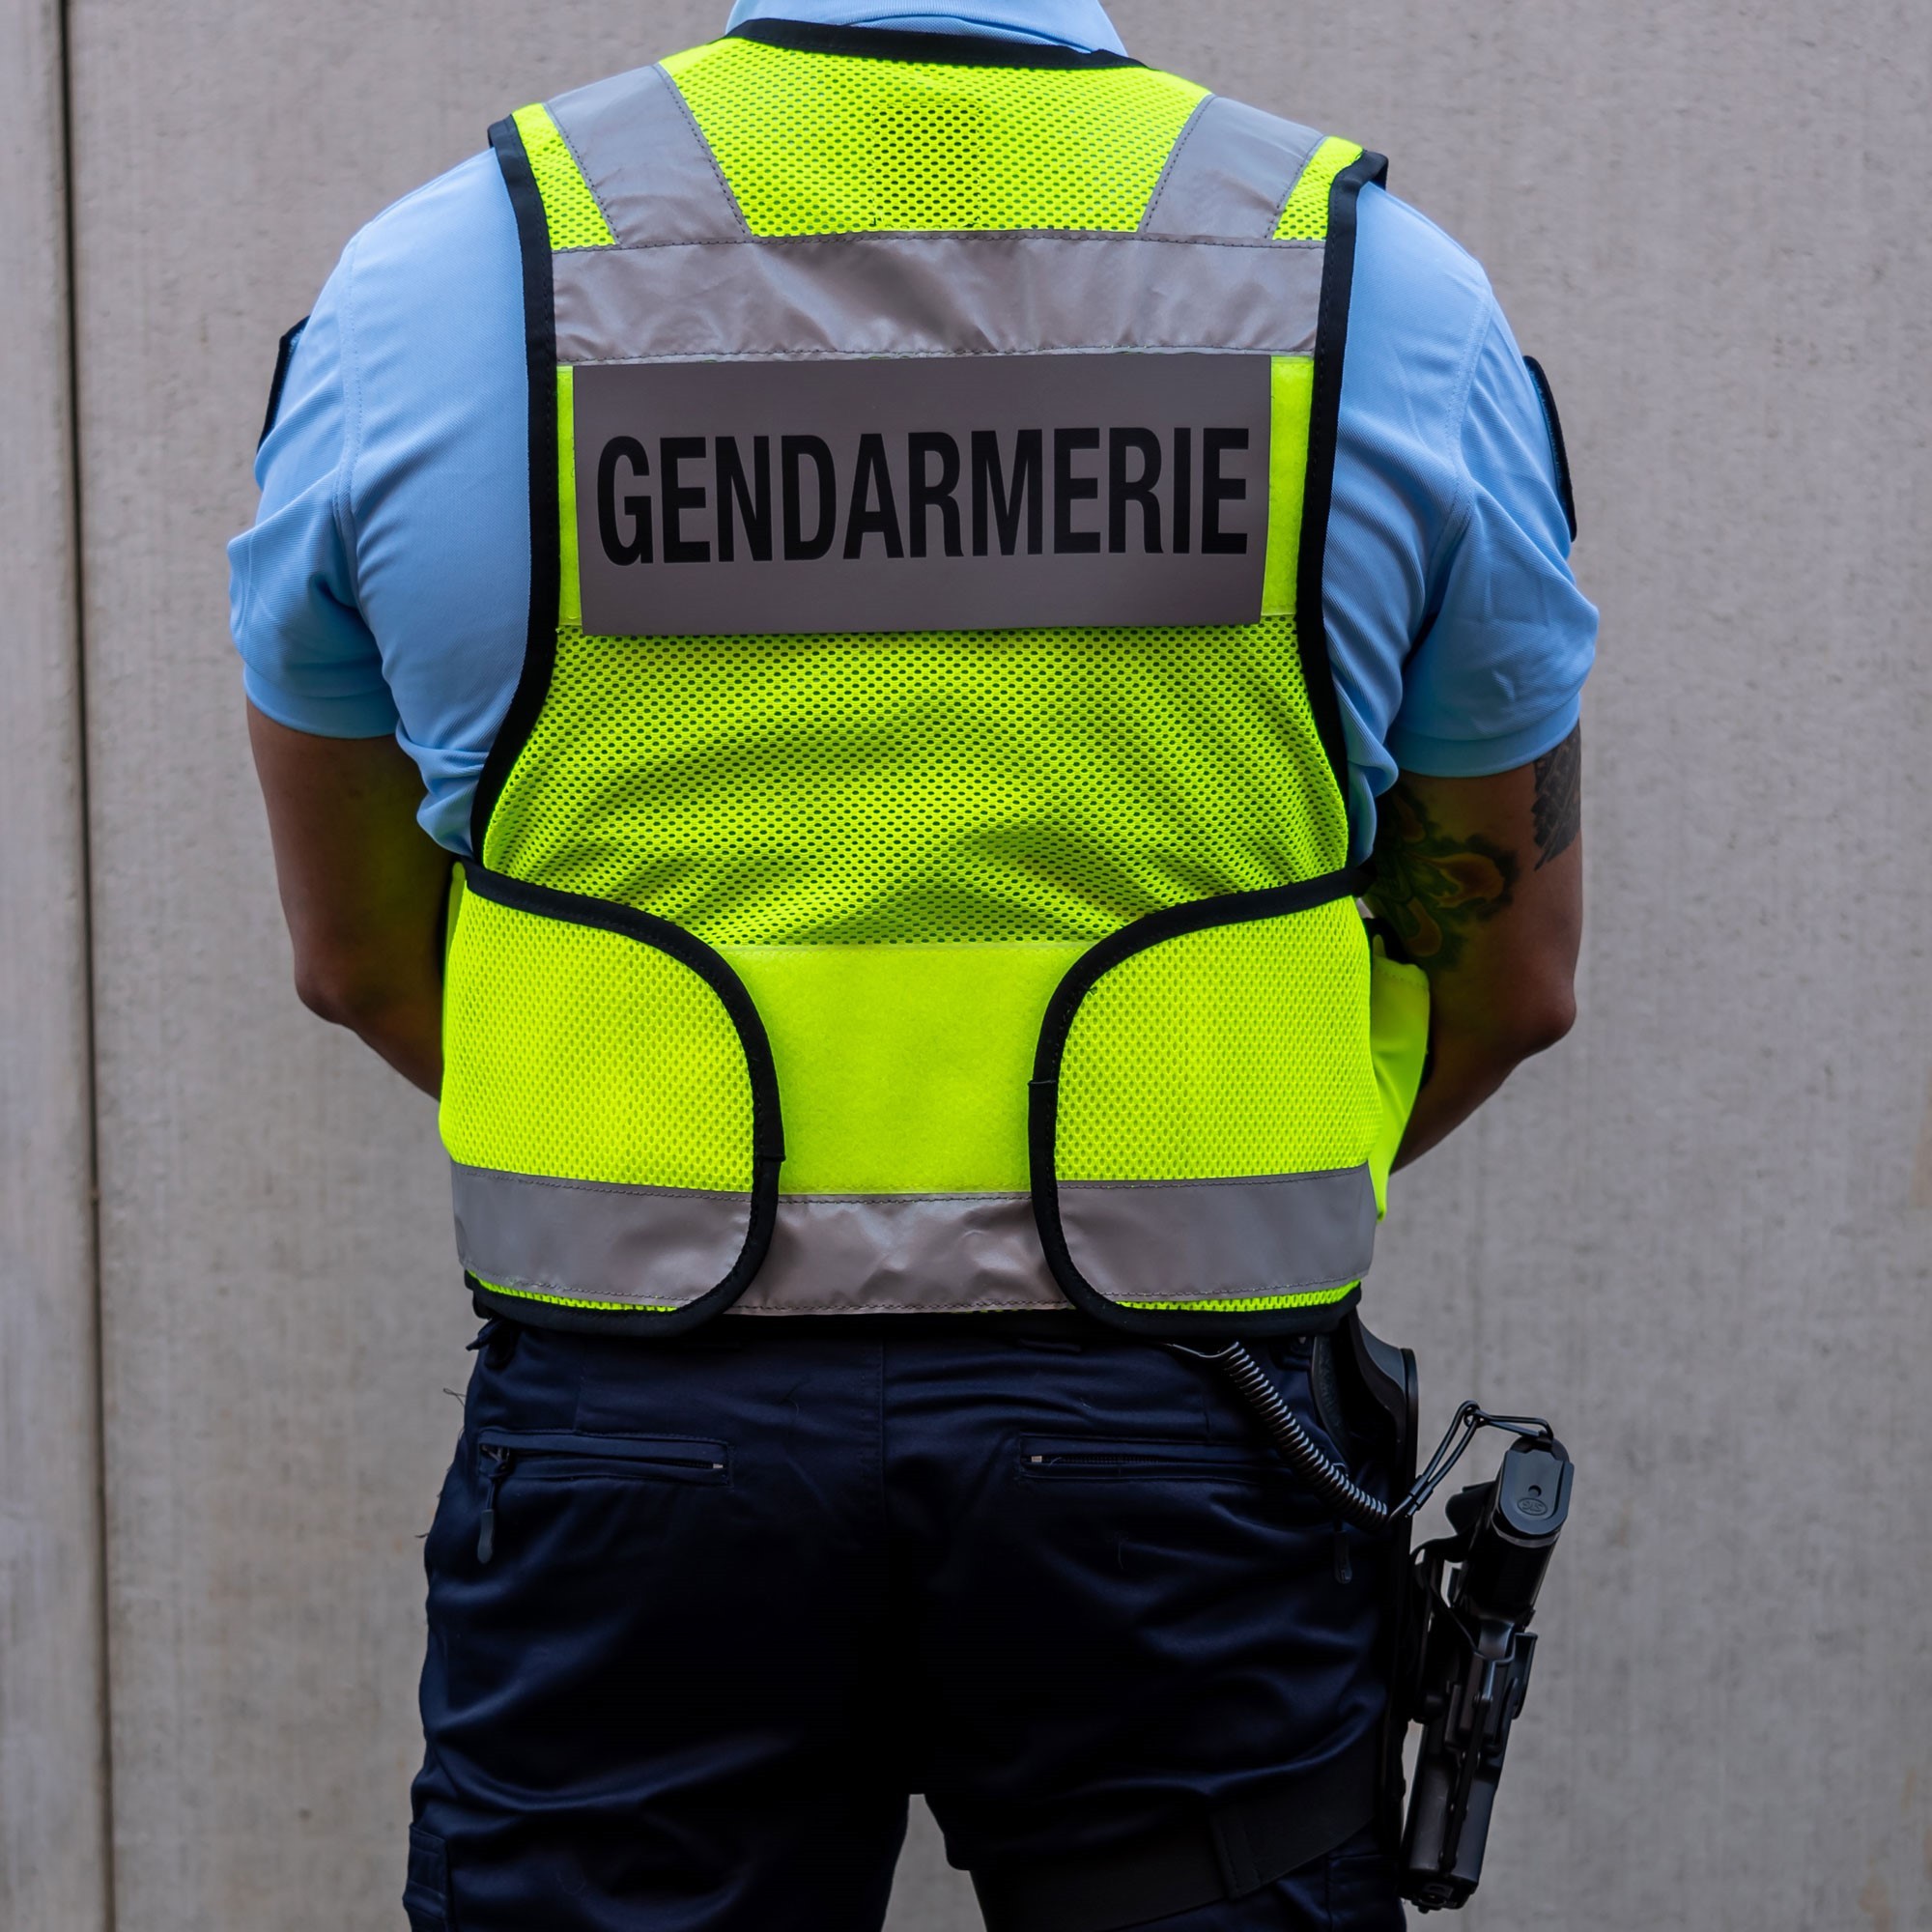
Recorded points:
(1483, 880)
(362, 888)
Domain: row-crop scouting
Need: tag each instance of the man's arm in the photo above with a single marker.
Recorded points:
(1483, 880)
(362, 888)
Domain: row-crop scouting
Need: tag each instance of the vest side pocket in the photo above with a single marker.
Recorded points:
(1202, 1130)
(609, 1104)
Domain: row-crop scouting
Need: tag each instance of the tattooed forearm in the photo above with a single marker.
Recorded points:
(1433, 888)
(1559, 798)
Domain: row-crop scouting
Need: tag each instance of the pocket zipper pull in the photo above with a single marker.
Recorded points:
(1344, 1568)
(499, 1459)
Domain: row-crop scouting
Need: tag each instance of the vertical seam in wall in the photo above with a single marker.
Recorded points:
(110, 1903)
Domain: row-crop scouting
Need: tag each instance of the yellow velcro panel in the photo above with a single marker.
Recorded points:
(1305, 216)
(903, 1068)
(570, 210)
(584, 1055)
(1230, 1052)
(819, 144)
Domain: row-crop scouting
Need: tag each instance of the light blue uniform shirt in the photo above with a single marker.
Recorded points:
(386, 583)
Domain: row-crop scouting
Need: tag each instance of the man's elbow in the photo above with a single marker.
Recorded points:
(346, 992)
(1537, 1017)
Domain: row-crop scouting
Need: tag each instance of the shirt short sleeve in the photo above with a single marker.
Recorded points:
(1496, 677)
(309, 661)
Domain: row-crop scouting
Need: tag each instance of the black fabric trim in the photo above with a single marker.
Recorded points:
(285, 351)
(895, 43)
(767, 1119)
(1230, 1852)
(546, 561)
(1558, 448)
(1325, 415)
(1044, 1103)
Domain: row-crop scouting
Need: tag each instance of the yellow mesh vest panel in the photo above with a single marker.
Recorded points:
(570, 210)
(580, 1054)
(946, 786)
(1234, 1051)
(1304, 216)
(945, 789)
(817, 144)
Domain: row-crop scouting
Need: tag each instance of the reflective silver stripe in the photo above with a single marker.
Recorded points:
(936, 294)
(662, 1247)
(1220, 1240)
(1229, 173)
(923, 1254)
(903, 1254)
(593, 1240)
(645, 160)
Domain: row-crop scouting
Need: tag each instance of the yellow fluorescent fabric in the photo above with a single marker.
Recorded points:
(569, 597)
(937, 786)
(570, 210)
(1399, 1040)
(1304, 216)
(903, 1068)
(820, 144)
(1233, 1051)
(586, 1056)
(1291, 389)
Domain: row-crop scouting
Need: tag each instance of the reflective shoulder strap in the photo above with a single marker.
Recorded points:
(1230, 172)
(652, 171)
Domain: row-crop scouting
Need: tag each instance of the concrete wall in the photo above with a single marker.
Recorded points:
(1696, 1234)
(52, 1785)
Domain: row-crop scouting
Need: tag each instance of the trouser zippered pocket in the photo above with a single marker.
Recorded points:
(1100, 1459)
(566, 1456)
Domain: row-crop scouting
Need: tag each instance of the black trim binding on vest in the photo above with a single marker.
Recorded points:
(895, 43)
(1325, 415)
(285, 351)
(767, 1120)
(545, 559)
(1558, 448)
(1043, 1101)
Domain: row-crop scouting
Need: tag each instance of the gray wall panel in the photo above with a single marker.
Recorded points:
(1689, 1233)
(52, 1821)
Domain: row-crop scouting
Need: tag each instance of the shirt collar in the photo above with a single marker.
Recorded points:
(1081, 24)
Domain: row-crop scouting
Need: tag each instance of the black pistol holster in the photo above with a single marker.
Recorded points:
(1455, 1652)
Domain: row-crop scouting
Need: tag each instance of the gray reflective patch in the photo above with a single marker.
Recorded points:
(663, 1247)
(952, 492)
(1220, 1240)
(651, 170)
(903, 1254)
(591, 1241)
(1229, 173)
(935, 294)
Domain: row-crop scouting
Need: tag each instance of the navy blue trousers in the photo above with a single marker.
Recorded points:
(701, 1616)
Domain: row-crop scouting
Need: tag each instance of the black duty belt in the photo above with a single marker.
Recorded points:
(1226, 1852)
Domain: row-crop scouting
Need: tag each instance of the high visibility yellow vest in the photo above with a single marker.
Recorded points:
(914, 873)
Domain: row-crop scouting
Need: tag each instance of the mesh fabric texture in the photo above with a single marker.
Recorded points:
(822, 144)
(571, 210)
(1045, 784)
(584, 1055)
(1236, 1050)
(1304, 215)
